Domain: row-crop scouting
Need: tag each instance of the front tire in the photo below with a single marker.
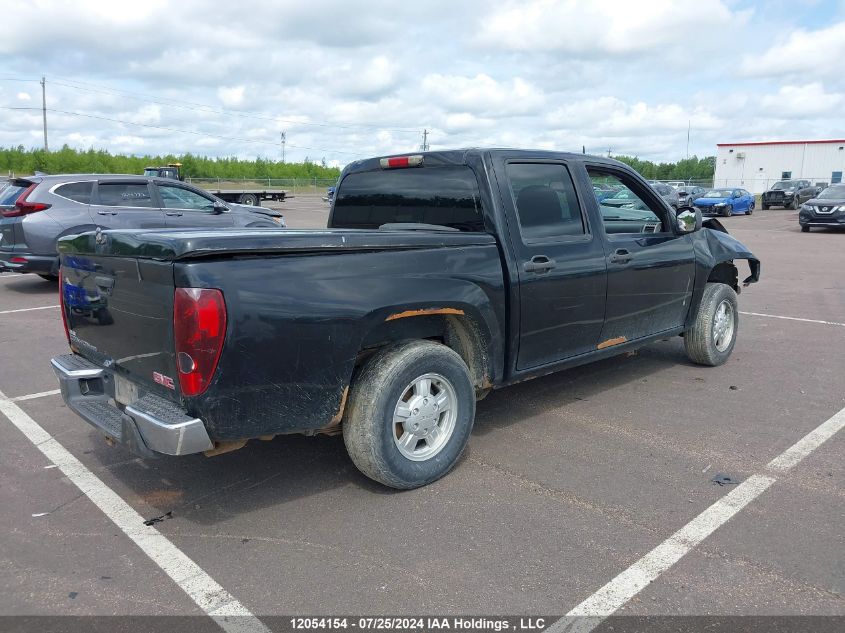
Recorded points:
(805, 229)
(48, 277)
(728, 211)
(711, 339)
(410, 413)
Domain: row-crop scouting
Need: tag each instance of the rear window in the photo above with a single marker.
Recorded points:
(124, 194)
(76, 191)
(447, 196)
(10, 194)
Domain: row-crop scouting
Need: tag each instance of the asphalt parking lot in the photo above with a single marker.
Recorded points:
(568, 481)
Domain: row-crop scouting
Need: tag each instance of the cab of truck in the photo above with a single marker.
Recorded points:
(172, 171)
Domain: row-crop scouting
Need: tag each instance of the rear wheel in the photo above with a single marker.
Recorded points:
(711, 339)
(410, 413)
(249, 199)
(751, 208)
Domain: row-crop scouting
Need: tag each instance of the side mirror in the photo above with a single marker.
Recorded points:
(689, 219)
(219, 207)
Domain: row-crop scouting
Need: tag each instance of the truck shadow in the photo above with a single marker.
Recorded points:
(283, 471)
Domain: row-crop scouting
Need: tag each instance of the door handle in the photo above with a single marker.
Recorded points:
(175, 214)
(539, 264)
(106, 212)
(620, 256)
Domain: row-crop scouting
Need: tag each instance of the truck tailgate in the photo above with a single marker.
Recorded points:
(119, 313)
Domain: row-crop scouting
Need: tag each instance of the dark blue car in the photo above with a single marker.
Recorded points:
(726, 202)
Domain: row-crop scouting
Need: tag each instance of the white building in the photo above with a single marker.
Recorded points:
(756, 166)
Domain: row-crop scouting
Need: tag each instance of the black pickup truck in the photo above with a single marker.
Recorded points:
(441, 276)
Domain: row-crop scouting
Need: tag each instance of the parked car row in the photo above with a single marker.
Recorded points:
(36, 211)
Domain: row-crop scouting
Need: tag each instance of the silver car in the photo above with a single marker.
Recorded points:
(36, 211)
(668, 193)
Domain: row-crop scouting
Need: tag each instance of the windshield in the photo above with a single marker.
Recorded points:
(833, 193)
(784, 184)
(151, 172)
(718, 193)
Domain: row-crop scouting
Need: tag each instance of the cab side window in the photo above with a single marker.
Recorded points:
(630, 209)
(545, 201)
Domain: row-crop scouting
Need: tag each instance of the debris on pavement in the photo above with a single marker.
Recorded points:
(724, 480)
(159, 519)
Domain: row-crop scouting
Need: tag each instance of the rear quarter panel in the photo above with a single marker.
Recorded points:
(296, 324)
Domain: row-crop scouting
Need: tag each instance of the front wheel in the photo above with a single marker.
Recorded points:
(410, 413)
(805, 228)
(727, 211)
(793, 205)
(711, 339)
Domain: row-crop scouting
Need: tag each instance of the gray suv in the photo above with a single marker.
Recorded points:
(37, 210)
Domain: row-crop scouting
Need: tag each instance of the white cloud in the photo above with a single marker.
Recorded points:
(483, 94)
(810, 53)
(616, 27)
(231, 97)
(803, 101)
(24, 96)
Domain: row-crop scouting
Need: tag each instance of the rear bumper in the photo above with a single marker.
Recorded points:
(26, 263)
(147, 426)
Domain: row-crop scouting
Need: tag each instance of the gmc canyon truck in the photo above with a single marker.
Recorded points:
(441, 276)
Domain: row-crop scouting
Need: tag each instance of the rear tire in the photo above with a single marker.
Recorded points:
(750, 208)
(249, 199)
(711, 339)
(393, 414)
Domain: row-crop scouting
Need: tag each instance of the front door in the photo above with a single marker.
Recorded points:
(561, 262)
(186, 208)
(650, 267)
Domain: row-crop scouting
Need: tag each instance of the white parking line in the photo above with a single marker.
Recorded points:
(208, 595)
(788, 318)
(33, 396)
(604, 602)
(28, 309)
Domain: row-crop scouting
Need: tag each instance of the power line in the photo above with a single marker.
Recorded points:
(172, 129)
(190, 105)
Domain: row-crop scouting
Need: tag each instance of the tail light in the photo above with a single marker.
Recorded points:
(22, 207)
(199, 327)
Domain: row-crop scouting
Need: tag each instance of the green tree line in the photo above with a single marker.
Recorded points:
(67, 160)
(692, 168)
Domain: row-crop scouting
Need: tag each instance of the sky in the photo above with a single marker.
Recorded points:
(347, 80)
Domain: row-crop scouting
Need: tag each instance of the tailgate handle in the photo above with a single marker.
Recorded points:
(177, 214)
(106, 212)
(106, 283)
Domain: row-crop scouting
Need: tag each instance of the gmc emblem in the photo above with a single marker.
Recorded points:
(161, 379)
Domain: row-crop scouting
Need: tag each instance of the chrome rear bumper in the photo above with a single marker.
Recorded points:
(149, 425)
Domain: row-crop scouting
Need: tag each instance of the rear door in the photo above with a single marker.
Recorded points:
(561, 262)
(126, 204)
(184, 207)
(650, 268)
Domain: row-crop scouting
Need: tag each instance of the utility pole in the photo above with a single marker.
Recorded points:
(424, 147)
(689, 125)
(284, 139)
(44, 110)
